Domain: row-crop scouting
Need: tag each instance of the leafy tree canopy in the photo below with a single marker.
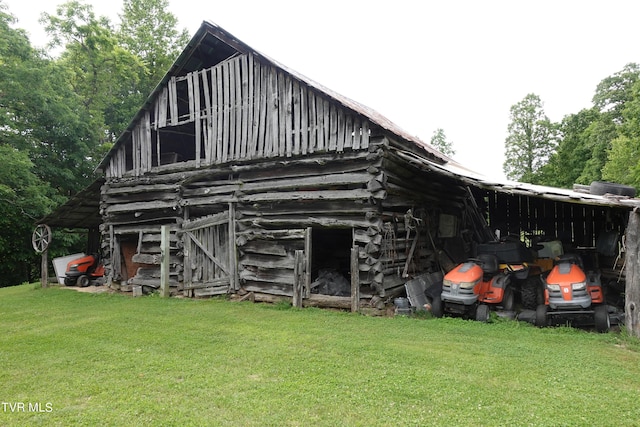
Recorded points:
(530, 141)
(439, 141)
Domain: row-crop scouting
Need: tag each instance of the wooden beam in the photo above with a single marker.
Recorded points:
(165, 263)
(355, 281)
(632, 287)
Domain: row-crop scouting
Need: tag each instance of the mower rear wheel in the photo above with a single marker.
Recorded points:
(531, 293)
(83, 281)
(601, 318)
(482, 313)
(541, 315)
(436, 307)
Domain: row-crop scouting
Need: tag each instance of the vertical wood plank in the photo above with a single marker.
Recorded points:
(333, 129)
(233, 262)
(173, 101)
(296, 128)
(320, 123)
(226, 113)
(304, 120)
(357, 133)
(364, 144)
(262, 124)
(326, 122)
(313, 121)
(196, 114)
(348, 131)
(230, 125)
(340, 136)
(283, 114)
(165, 259)
(247, 101)
(206, 90)
(241, 90)
(271, 148)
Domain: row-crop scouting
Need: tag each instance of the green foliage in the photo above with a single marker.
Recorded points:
(110, 359)
(566, 165)
(601, 143)
(149, 31)
(530, 141)
(23, 199)
(100, 70)
(439, 141)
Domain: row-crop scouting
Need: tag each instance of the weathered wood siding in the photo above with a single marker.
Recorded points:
(240, 109)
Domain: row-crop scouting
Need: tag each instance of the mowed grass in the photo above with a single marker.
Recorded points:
(109, 359)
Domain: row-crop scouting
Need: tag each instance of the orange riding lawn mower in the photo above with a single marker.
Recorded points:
(556, 289)
(84, 271)
(489, 280)
(573, 296)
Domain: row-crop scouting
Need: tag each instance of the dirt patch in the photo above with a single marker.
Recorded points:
(90, 289)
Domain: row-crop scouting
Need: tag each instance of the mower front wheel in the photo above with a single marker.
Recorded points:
(541, 315)
(436, 307)
(68, 281)
(601, 318)
(83, 281)
(482, 313)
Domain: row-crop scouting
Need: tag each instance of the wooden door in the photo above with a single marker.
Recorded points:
(210, 254)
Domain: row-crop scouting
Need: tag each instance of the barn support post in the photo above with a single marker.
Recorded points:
(234, 282)
(299, 279)
(44, 270)
(355, 281)
(165, 258)
(307, 267)
(632, 285)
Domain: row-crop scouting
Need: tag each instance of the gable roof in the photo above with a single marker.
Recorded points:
(211, 45)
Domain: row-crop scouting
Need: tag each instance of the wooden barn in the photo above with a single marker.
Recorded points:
(272, 186)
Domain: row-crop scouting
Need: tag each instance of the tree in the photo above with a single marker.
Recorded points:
(23, 199)
(149, 31)
(567, 164)
(623, 156)
(101, 72)
(530, 141)
(439, 141)
(613, 92)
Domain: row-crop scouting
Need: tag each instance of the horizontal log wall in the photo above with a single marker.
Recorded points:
(241, 109)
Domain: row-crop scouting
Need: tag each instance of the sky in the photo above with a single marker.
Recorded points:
(457, 65)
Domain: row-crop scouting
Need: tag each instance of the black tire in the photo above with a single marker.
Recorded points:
(541, 315)
(601, 188)
(482, 313)
(531, 293)
(508, 299)
(436, 307)
(83, 281)
(601, 318)
(68, 281)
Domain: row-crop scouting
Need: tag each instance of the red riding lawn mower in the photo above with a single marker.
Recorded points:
(473, 287)
(571, 295)
(82, 271)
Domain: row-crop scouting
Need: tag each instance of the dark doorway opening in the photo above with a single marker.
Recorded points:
(330, 261)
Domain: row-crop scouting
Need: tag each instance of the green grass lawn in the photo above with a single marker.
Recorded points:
(109, 359)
